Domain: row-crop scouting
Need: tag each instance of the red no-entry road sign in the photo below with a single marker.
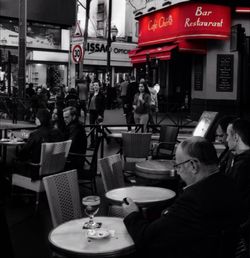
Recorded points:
(77, 54)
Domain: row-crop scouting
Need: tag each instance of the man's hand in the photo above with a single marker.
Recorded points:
(129, 206)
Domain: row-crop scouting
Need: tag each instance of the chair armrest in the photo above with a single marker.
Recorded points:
(78, 156)
(34, 164)
(161, 143)
(73, 154)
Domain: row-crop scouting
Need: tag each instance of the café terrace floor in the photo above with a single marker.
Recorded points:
(29, 231)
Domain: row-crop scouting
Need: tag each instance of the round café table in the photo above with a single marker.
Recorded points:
(71, 240)
(4, 143)
(155, 169)
(143, 196)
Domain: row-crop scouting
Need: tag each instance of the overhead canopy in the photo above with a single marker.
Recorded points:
(140, 55)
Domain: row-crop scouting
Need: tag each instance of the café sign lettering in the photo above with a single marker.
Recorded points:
(185, 20)
(198, 22)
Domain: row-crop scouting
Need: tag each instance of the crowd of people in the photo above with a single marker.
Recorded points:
(138, 99)
(211, 214)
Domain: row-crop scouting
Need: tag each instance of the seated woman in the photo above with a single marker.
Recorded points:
(32, 149)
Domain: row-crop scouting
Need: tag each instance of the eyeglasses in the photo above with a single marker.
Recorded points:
(177, 166)
(219, 135)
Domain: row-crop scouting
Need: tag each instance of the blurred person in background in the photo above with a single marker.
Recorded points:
(221, 137)
(83, 93)
(96, 108)
(141, 105)
(31, 151)
(132, 89)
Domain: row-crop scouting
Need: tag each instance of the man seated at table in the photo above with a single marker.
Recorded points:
(238, 165)
(75, 131)
(31, 151)
(194, 226)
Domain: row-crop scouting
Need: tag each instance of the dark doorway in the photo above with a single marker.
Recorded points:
(180, 81)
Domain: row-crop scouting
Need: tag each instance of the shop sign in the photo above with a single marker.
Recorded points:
(38, 36)
(97, 50)
(185, 21)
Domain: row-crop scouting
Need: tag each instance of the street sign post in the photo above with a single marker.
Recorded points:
(77, 53)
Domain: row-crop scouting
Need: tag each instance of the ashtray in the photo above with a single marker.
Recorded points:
(97, 233)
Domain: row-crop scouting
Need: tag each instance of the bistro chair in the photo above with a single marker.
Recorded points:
(165, 147)
(63, 196)
(112, 177)
(86, 166)
(135, 147)
(52, 160)
(112, 172)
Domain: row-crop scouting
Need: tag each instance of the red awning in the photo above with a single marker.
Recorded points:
(161, 53)
(192, 46)
(242, 9)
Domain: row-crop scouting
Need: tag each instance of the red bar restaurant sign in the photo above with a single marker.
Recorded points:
(185, 21)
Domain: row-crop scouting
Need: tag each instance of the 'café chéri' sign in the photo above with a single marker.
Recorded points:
(185, 21)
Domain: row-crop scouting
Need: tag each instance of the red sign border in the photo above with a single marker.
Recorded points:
(174, 34)
(80, 58)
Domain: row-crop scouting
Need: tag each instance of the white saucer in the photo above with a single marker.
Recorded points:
(97, 233)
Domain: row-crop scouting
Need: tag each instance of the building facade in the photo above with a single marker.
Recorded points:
(94, 63)
(198, 52)
(47, 41)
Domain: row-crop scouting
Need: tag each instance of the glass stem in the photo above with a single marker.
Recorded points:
(91, 219)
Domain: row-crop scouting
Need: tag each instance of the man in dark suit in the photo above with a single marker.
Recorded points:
(75, 130)
(238, 165)
(202, 221)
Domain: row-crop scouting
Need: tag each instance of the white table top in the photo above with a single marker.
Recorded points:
(70, 238)
(155, 169)
(8, 142)
(141, 195)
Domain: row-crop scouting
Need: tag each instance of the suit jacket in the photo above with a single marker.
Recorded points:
(99, 103)
(194, 224)
(32, 149)
(238, 168)
(75, 131)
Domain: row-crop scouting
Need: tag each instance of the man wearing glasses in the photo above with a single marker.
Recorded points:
(203, 220)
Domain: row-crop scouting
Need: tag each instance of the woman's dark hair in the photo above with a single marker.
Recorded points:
(146, 90)
(44, 117)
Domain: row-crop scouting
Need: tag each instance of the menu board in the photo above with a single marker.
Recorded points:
(198, 73)
(205, 123)
(224, 81)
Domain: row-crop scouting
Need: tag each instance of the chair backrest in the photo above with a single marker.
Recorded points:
(112, 172)
(136, 145)
(53, 157)
(63, 196)
(168, 137)
(168, 133)
(93, 162)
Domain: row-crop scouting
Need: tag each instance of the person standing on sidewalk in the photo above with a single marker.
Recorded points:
(141, 105)
(131, 91)
(96, 109)
(123, 96)
(153, 105)
(83, 92)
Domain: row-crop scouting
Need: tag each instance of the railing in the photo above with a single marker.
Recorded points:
(104, 130)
